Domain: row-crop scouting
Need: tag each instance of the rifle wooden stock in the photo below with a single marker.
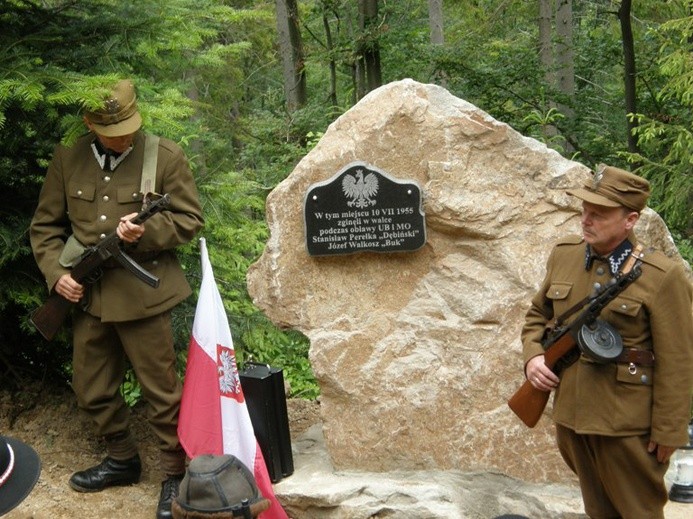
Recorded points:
(528, 402)
(49, 317)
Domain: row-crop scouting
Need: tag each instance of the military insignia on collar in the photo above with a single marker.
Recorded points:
(598, 175)
(112, 106)
(615, 260)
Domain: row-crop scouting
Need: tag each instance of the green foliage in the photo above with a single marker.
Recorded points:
(538, 123)
(194, 64)
(208, 76)
(665, 135)
(287, 350)
(684, 245)
(235, 233)
(131, 389)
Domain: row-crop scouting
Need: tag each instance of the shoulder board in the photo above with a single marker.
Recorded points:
(573, 239)
(657, 259)
(168, 144)
(88, 136)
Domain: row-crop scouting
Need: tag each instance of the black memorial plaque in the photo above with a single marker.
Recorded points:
(363, 209)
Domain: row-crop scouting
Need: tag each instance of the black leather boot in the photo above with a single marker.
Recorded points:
(108, 473)
(169, 491)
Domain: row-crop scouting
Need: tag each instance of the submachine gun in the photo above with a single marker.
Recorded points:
(49, 317)
(586, 334)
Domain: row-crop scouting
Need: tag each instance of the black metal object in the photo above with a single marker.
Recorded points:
(600, 341)
(263, 388)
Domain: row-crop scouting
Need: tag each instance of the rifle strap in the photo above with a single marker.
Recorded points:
(151, 154)
(627, 267)
(630, 262)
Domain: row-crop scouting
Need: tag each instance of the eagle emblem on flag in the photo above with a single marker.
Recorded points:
(229, 381)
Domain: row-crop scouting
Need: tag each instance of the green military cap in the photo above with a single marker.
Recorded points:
(118, 115)
(614, 187)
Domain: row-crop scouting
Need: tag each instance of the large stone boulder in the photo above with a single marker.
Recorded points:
(416, 353)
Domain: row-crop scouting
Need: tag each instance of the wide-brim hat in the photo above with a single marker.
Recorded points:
(119, 115)
(614, 187)
(20, 467)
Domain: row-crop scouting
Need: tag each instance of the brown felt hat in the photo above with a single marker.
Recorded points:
(614, 187)
(119, 115)
(219, 487)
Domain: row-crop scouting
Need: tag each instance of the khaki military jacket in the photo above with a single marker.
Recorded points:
(653, 313)
(80, 198)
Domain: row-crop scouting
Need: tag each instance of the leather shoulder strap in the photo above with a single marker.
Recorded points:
(151, 154)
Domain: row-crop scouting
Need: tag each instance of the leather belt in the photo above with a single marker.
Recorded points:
(635, 356)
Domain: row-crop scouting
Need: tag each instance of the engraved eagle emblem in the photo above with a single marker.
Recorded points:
(360, 188)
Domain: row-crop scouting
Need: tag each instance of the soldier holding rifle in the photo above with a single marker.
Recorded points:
(618, 420)
(91, 189)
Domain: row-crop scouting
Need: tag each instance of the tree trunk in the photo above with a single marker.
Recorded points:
(545, 47)
(358, 72)
(369, 48)
(564, 47)
(435, 21)
(291, 50)
(330, 51)
(629, 71)
(435, 24)
(546, 56)
(565, 58)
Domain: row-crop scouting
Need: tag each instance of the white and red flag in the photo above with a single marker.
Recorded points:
(214, 417)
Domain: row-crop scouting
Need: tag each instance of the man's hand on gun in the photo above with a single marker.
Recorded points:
(69, 288)
(539, 374)
(128, 231)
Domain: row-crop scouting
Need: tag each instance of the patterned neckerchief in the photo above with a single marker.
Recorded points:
(615, 259)
(107, 159)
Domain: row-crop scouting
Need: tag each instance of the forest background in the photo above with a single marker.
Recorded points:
(248, 88)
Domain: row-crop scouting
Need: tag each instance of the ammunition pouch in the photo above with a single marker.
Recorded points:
(72, 251)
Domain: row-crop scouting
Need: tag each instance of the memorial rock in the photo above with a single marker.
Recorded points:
(417, 352)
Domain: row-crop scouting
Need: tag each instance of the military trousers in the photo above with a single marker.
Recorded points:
(100, 355)
(619, 479)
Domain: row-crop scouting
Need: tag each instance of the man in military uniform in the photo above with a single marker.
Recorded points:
(92, 188)
(617, 422)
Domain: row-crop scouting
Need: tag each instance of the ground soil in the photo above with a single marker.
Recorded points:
(50, 422)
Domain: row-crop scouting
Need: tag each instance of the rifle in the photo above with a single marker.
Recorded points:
(561, 342)
(49, 317)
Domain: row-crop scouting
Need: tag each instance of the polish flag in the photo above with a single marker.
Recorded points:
(214, 417)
